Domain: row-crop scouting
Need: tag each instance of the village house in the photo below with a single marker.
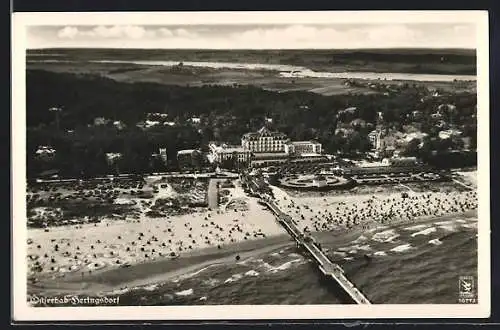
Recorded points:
(45, 152)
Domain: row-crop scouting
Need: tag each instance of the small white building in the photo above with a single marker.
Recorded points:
(448, 134)
(119, 125)
(45, 152)
(151, 123)
(224, 152)
(113, 157)
(100, 121)
(375, 138)
(163, 155)
(298, 148)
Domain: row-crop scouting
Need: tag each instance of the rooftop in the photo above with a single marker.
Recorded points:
(311, 155)
(186, 151)
(264, 132)
(304, 142)
(230, 149)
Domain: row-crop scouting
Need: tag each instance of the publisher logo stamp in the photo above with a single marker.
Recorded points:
(467, 290)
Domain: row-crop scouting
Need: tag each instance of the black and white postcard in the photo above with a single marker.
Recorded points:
(250, 165)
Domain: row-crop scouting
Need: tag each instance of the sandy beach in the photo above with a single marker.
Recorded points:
(116, 254)
(314, 214)
(87, 248)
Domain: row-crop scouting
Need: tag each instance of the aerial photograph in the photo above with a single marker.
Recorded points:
(251, 164)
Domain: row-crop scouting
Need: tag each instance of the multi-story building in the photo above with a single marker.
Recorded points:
(298, 148)
(376, 138)
(264, 140)
(188, 158)
(223, 153)
(163, 155)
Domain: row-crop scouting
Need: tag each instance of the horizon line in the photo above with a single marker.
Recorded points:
(228, 49)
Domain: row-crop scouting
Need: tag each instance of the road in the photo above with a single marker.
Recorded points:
(213, 194)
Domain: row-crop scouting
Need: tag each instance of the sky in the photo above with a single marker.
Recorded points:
(255, 36)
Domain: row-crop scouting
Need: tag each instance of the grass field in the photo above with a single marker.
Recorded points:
(191, 76)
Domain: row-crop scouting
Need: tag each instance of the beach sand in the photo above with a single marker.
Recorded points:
(240, 226)
(113, 243)
(326, 213)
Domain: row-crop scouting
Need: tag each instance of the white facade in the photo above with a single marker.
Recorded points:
(264, 140)
(112, 157)
(449, 134)
(303, 147)
(221, 153)
(163, 154)
(45, 152)
(376, 139)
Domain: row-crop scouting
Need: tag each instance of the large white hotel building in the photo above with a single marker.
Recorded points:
(265, 144)
(264, 140)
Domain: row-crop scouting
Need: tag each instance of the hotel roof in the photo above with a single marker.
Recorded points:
(263, 132)
(187, 151)
(304, 142)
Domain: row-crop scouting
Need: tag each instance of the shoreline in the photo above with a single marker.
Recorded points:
(158, 270)
(161, 270)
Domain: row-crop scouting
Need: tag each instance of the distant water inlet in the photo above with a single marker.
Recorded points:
(290, 71)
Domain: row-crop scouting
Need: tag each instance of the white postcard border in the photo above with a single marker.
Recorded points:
(23, 312)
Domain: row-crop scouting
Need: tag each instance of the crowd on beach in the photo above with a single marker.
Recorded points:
(376, 210)
(91, 247)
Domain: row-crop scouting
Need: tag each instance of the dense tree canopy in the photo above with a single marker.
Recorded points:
(225, 113)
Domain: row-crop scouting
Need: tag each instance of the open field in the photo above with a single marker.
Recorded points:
(84, 61)
(196, 76)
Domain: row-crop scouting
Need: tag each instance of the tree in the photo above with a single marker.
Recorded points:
(412, 148)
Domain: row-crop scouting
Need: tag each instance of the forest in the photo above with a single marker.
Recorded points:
(226, 112)
(445, 61)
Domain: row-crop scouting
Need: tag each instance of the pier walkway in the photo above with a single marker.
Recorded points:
(307, 243)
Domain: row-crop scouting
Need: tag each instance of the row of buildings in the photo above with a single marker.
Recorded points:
(263, 148)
